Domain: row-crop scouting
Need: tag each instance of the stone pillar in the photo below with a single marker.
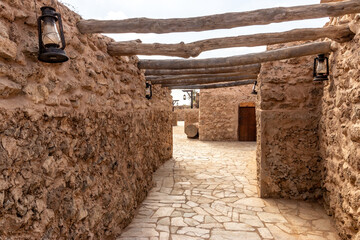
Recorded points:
(289, 165)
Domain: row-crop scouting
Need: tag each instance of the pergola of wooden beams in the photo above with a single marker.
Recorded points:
(230, 71)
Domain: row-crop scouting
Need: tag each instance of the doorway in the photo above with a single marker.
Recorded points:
(247, 124)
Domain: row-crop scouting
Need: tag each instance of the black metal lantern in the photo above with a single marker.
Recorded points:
(148, 94)
(321, 68)
(184, 97)
(51, 42)
(254, 88)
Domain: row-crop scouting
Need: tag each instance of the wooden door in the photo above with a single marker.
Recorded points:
(247, 124)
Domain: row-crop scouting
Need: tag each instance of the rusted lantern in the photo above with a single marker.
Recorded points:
(148, 91)
(184, 97)
(321, 68)
(254, 88)
(51, 41)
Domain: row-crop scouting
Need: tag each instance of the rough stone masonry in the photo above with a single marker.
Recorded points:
(289, 163)
(219, 112)
(340, 133)
(78, 141)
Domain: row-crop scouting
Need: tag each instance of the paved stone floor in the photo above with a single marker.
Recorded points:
(208, 191)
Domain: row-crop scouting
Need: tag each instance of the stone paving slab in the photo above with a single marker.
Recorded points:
(209, 191)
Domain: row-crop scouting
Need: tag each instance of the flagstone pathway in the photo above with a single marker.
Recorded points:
(209, 191)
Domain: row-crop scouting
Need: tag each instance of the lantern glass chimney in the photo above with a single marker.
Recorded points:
(50, 35)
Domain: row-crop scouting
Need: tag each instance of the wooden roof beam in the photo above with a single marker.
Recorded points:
(220, 21)
(205, 80)
(273, 55)
(211, 86)
(171, 78)
(253, 68)
(128, 48)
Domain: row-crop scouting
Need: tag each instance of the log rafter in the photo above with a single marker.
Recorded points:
(205, 80)
(253, 68)
(165, 79)
(220, 21)
(211, 86)
(337, 33)
(273, 55)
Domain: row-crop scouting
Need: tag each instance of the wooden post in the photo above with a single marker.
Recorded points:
(192, 100)
(273, 55)
(337, 33)
(220, 21)
(246, 69)
(211, 86)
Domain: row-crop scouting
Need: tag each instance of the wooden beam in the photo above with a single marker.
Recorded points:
(220, 21)
(210, 86)
(337, 33)
(170, 78)
(204, 80)
(273, 55)
(246, 69)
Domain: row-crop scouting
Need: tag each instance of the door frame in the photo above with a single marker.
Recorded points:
(245, 104)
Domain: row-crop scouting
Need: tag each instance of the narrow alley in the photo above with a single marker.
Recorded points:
(209, 191)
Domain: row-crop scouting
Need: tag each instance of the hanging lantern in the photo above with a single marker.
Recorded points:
(254, 88)
(321, 68)
(51, 42)
(184, 97)
(148, 91)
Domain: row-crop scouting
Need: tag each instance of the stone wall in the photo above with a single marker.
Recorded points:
(78, 141)
(174, 119)
(191, 116)
(289, 163)
(181, 111)
(219, 110)
(340, 134)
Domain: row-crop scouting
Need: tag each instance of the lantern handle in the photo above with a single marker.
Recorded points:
(63, 44)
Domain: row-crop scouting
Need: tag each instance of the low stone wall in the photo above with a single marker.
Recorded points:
(219, 110)
(78, 141)
(180, 112)
(340, 134)
(289, 163)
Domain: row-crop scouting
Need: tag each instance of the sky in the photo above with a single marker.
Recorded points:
(123, 9)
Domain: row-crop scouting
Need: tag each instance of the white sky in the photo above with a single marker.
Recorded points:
(122, 9)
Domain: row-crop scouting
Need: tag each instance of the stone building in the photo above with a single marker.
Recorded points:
(227, 114)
